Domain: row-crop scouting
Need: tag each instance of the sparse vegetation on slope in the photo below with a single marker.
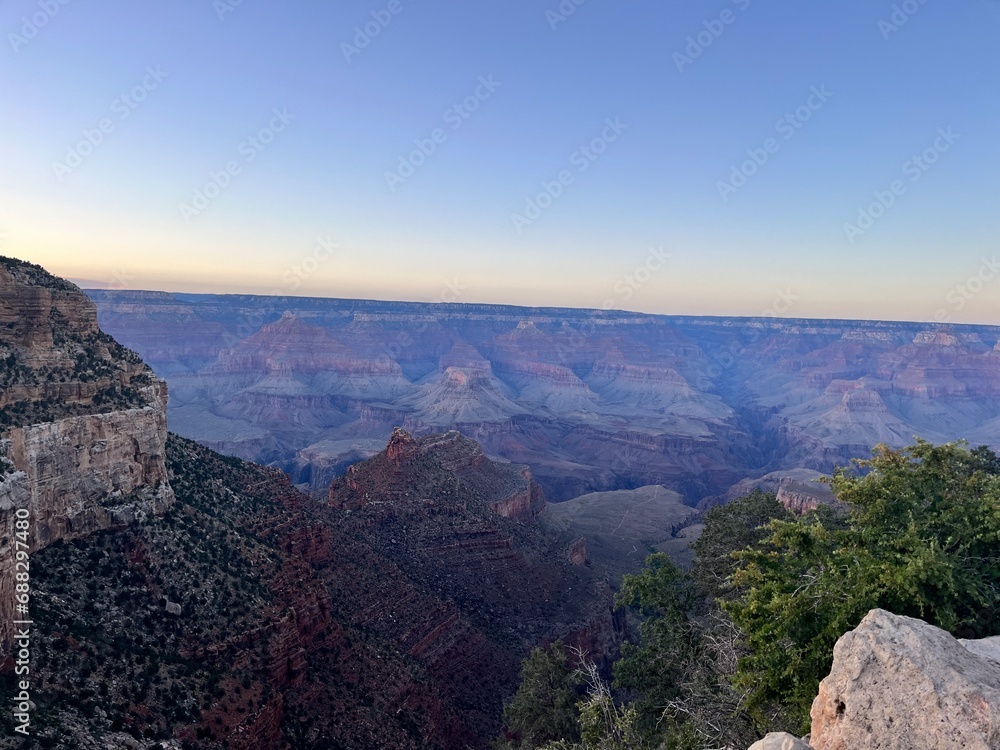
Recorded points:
(54, 361)
(111, 660)
(32, 274)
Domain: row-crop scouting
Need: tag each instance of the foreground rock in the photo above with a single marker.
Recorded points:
(780, 741)
(900, 684)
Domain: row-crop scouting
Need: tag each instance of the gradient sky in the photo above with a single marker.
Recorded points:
(777, 243)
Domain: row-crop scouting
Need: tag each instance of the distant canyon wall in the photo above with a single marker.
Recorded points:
(591, 400)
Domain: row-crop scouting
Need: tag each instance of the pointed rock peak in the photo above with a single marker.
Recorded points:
(464, 356)
(465, 376)
(401, 443)
(456, 376)
(290, 324)
(286, 322)
(399, 435)
(466, 350)
(526, 328)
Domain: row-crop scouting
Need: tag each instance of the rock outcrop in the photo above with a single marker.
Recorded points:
(400, 475)
(83, 423)
(900, 684)
(780, 741)
(802, 497)
(467, 527)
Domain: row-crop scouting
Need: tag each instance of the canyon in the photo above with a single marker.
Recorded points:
(182, 598)
(209, 602)
(590, 400)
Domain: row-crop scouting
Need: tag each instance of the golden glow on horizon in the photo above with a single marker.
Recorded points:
(108, 251)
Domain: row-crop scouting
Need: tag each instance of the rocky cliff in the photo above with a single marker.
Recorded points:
(249, 616)
(83, 423)
(505, 489)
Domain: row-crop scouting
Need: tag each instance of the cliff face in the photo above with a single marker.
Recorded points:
(83, 422)
(86, 474)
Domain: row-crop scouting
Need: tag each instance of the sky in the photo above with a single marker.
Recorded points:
(723, 157)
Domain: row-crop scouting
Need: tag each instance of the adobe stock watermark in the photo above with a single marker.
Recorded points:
(624, 289)
(454, 117)
(365, 34)
(121, 108)
(786, 127)
(292, 279)
(224, 7)
(452, 291)
(562, 12)
(32, 25)
(962, 294)
(914, 168)
(322, 251)
(713, 29)
(120, 280)
(21, 653)
(581, 159)
(726, 357)
(900, 16)
(249, 149)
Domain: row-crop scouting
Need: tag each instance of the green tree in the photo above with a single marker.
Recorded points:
(728, 529)
(604, 723)
(544, 709)
(921, 537)
(653, 669)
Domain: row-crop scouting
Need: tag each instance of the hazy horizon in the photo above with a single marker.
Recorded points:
(86, 286)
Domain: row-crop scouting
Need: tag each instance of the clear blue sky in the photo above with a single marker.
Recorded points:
(115, 217)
